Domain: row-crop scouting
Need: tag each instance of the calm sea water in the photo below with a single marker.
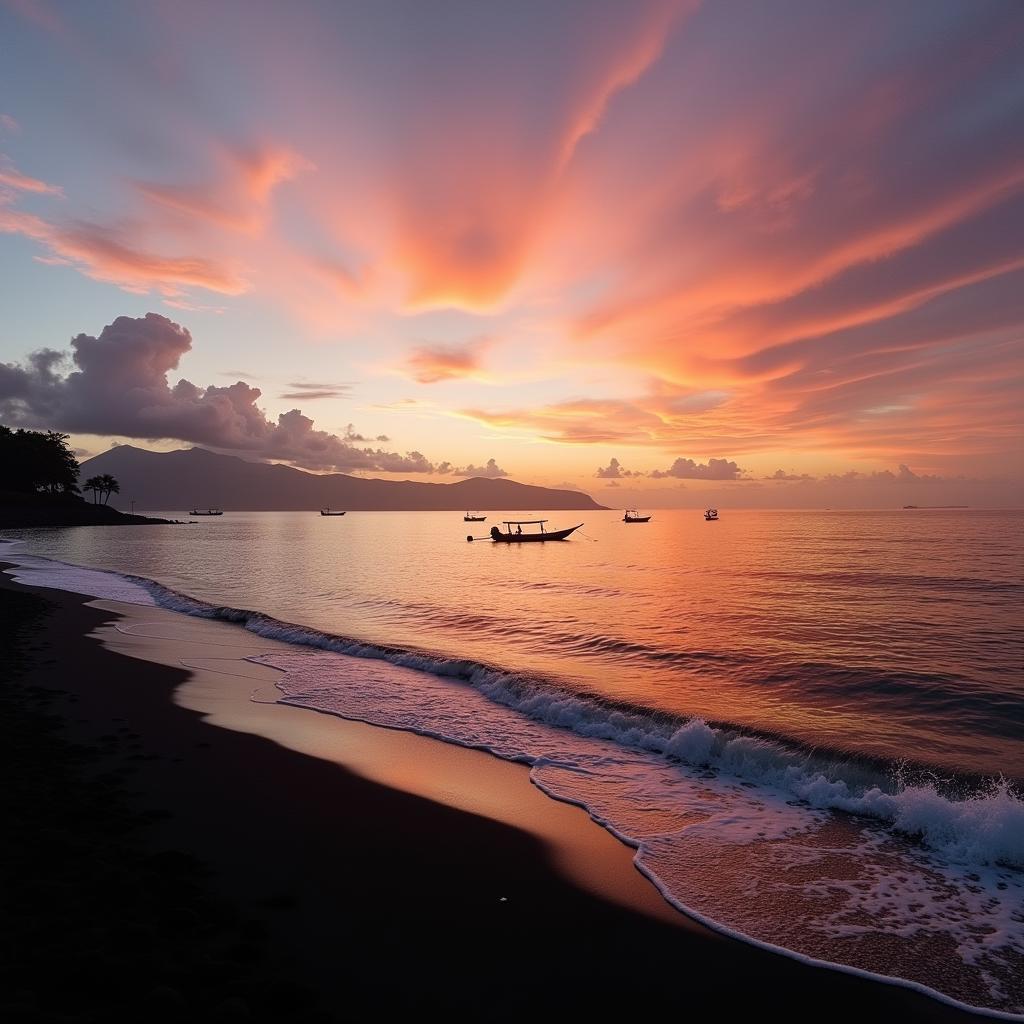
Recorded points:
(809, 723)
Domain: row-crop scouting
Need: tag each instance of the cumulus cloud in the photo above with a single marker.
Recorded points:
(687, 469)
(118, 385)
(351, 434)
(903, 475)
(614, 471)
(782, 475)
(492, 470)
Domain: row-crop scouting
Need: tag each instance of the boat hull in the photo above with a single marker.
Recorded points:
(638, 519)
(474, 519)
(331, 513)
(533, 538)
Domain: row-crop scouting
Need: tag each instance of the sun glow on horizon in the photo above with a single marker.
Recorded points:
(623, 247)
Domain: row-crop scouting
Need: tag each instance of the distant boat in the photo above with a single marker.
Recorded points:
(711, 515)
(632, 516)
(516, 536)
(206, 512)
(473, 517)
(327, 512)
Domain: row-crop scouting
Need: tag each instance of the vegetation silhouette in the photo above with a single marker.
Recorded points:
(102, 486)
(39, 485)
(35, 462)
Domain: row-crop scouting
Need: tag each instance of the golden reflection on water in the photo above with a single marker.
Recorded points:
(893, 633)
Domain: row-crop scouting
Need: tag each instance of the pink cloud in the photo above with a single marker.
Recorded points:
(12, 178)
(429, 364)
(237, 198)
(104, 255)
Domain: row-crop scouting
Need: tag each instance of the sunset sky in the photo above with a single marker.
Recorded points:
(664, 252)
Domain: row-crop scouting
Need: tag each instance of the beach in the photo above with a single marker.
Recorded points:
(342, 897)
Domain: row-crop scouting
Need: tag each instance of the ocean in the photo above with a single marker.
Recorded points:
(809, 724)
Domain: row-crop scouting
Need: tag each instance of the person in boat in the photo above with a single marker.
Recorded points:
(519, 529)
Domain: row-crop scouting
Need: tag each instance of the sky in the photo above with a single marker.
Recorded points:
(665, 252)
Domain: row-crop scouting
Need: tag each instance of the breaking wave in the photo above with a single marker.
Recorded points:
(821, 854)
(962, 818)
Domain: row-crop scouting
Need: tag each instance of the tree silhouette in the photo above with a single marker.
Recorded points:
(33, 461)
(109, 486)
(94, 484)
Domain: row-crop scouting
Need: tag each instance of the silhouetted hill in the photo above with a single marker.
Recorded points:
(195, 477)
(20, 511)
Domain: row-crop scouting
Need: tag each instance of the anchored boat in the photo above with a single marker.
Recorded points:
(207, 512)
(474, 517)
(517, 536)
(327, 512)
(711, 515)
(632, 516)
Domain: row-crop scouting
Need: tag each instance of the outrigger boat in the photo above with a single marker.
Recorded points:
(327, 512)
(516, 536)
(474, 517)
(711, 515)
(632, 516)
(207, 512)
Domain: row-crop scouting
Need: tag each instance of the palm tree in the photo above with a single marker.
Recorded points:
(109, 486)
(96, 485)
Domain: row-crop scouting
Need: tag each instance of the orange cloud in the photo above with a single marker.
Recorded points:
(637, 56)
(104, 256)
(238, 197)
(429, 364)
(704, 233)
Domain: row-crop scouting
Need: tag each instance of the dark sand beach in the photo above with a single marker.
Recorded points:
(159, 867)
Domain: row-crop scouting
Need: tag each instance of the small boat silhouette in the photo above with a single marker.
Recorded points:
(327, 512)
(711, 515)
(473, 517)
(510, 536)
(206, 512)
(632, 516)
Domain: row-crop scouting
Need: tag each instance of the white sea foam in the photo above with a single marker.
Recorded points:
(44, 572)
(725, 830)
(735, 829)
(981, 827)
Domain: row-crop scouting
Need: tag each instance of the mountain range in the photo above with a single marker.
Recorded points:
(198, 478)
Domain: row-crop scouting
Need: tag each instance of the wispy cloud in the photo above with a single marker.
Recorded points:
(739, 237)
(429, 364)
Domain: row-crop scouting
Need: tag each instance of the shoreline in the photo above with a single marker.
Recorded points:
(455, 906)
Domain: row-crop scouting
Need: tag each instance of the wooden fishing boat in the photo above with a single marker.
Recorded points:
(206, 512)
(474, 517)
(632, 516)
(711, 515)
(327, 512)
(516, 535)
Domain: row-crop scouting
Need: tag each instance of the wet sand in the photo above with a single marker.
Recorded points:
(325, 870)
